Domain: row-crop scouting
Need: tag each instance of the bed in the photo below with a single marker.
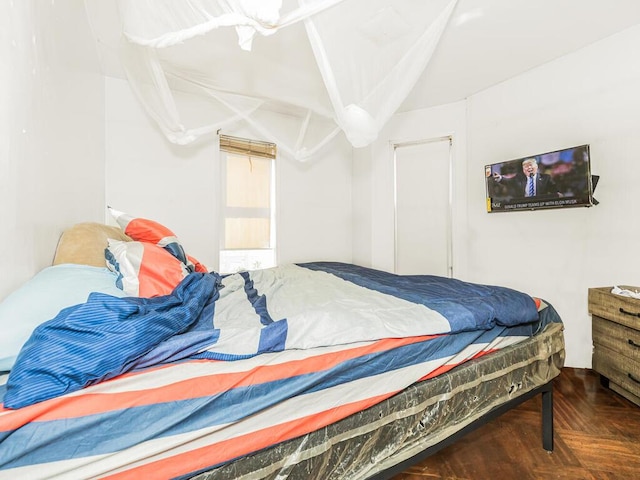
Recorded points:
(316, 370)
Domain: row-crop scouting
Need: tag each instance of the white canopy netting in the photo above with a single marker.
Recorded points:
(297, 73)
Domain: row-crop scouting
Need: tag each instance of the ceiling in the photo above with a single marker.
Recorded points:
(490, 41)
(486, 42)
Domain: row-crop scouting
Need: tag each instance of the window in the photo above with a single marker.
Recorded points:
(247, 239)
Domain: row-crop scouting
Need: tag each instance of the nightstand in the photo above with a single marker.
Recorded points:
(616, 340)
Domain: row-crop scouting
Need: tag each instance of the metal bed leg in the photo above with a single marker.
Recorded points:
(547, 417)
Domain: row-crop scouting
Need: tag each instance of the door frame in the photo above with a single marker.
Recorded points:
(449, 213)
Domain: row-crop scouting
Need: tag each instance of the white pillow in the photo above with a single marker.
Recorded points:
(42, 298)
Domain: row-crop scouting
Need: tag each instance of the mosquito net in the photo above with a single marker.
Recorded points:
(295, 72)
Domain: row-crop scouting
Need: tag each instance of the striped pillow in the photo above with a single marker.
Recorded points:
(145, 230)
(144, 269)
(150, 231)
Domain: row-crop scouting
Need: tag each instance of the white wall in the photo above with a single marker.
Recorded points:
(178, 186)
(51, 132)
(588, 97)
(314, 207)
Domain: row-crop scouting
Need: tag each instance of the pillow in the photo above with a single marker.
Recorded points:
(84, 243)
(144, 269)
(145, 230)
(41, 298)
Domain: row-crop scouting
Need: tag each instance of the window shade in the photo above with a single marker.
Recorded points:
(248, 182)
(243, 146)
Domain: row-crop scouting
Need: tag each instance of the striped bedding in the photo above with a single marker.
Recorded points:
(222, 391)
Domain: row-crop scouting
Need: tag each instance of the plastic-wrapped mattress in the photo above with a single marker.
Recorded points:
(417, 418)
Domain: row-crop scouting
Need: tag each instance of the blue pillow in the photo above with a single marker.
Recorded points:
(42, 298)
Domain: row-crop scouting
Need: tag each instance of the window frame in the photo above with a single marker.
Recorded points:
(249, 149)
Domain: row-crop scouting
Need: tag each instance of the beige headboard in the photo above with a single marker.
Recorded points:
(84, 243)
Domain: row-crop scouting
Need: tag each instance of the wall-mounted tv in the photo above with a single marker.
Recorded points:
(549, 180)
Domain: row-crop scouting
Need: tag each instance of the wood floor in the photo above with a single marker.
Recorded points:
(597, 437)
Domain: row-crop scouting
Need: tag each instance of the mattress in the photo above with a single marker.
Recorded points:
(419, 417)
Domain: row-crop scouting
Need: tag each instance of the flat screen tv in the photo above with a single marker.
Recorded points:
(549, 180)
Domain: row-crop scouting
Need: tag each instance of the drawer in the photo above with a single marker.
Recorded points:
(616, 337)
(629, 396)
(617, 368)
(623, 310)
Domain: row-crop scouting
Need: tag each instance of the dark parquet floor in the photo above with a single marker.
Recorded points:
(597, 437)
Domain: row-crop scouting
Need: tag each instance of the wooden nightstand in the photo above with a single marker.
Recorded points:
(616, 340)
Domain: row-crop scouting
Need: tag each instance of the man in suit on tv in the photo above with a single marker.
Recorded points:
(530, 183)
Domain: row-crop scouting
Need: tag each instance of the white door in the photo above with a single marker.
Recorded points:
(423, 207)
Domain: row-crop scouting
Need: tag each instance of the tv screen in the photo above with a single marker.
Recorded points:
(548, 180)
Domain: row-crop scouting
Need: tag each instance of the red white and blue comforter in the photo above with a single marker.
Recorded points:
(225, 366)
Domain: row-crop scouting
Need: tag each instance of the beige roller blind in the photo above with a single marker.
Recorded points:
(248, 202)
(249, 181)
(243, 146)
